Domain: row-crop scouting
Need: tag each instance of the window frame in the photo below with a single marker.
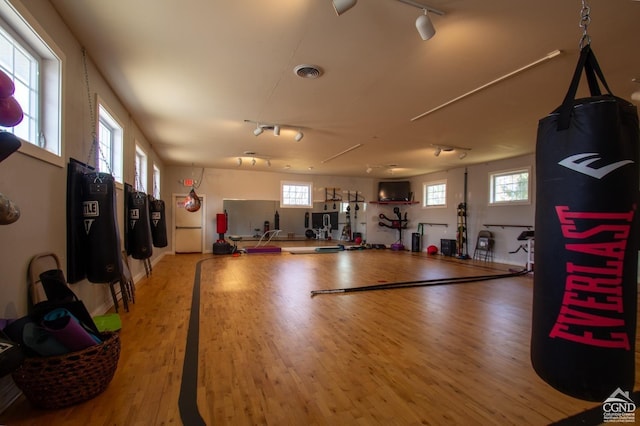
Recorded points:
(155, 191)
(502, 173)
(141, 160)
(106, 117)
(31, 37)
(307, 185)
(425, 192)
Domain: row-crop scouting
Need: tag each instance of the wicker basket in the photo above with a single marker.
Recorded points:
(60, 381)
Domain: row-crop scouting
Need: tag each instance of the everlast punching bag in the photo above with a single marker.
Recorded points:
(586, 240)
(158, 222)
(139, 232)
(102, 243)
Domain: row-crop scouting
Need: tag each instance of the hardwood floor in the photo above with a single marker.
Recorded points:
(271, 354)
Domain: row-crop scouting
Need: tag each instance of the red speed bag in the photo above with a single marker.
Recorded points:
(586, 231)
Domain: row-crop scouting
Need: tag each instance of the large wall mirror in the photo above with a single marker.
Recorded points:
(250, 218)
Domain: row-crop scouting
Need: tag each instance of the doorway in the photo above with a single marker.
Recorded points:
(188, 227)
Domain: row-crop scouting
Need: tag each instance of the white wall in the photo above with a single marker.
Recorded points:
(39, 188)
(218, 185)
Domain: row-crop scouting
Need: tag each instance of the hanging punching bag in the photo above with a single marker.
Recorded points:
(76, 233)
(586, 237)
(158, 222)
(139, 232)
(102, 237)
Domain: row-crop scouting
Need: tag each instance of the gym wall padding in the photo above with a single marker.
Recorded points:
(586, 240)
(102, 238)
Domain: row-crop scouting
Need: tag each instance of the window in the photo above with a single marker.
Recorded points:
(109, 155)
(141, 170)
(435, 194)
(509, 187)
(156, 182)
(33, 62)
(296, 194)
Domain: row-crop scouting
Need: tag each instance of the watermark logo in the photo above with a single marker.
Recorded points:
(619, 407)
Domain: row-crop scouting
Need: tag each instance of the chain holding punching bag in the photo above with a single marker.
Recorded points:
(586, 236)
(102, 237)
(139, 232)
(158, 222)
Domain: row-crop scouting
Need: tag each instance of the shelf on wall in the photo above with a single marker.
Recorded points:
(446, 225)
(394, 202)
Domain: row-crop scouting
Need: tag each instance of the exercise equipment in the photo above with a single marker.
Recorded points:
(9, 144)
(419, 283)
(192, 202)
(102, 237)
(140, 245)
(9, 211)
(461, 234)
(158, 222)
(586, 230)
(221, 246)
(76, 234)
(399, 224)
(7, 87)
(10, 112)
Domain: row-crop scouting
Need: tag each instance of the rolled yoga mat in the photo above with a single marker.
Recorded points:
(68, 330)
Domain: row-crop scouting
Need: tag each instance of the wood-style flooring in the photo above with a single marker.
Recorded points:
(269, 354)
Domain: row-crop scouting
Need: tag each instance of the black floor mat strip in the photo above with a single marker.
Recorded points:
(188, 399)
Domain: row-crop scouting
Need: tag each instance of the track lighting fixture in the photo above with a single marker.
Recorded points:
(341, 6)
(425, 26)
(277, 128)
(462, 152)
(252, 158)
(423, 23)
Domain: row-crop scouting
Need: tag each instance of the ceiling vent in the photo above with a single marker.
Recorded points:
(308, 71)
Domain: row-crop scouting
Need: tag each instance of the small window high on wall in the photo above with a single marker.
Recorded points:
(510, 187)
(141, 170)
(34, 63)
(296, 194)
(109, 155)
(156, 182)
(435, 194)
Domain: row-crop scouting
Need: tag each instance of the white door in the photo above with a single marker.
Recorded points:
(188, 226)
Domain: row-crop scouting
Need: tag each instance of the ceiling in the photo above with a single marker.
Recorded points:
(198, 76)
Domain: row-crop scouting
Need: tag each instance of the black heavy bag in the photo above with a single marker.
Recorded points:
(139, 232)
(158, 222)
(586, 231)
(76, 235)
(102, 244)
